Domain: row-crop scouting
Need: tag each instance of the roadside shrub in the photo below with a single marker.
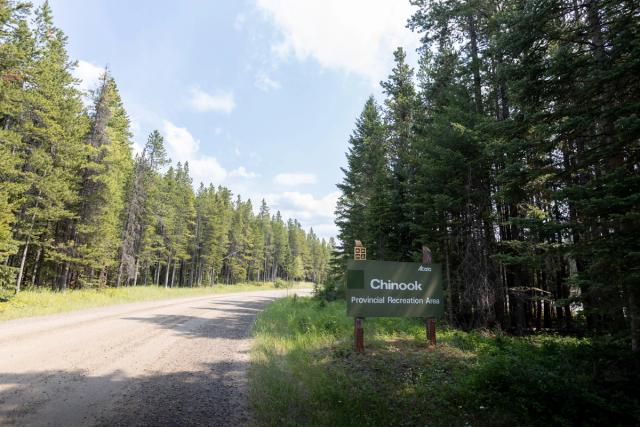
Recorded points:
(7, 282)
(331, 290)
(304, 362)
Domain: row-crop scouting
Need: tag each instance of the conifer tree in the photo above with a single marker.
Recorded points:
(104, 175)
(363, 209)
(400, 111)
(52, 146)
(76, 210)
(15, 48)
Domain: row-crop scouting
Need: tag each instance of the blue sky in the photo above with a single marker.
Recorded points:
(258, 95)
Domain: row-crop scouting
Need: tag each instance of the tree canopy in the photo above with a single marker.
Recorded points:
(78, 209)
(512, 152)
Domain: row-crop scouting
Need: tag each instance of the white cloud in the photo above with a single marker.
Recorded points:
(295, 179)
(183, 147)
(325, 230)
(311, 211)
(308, 205)
(356, 36)
(221, 101)
(242, 172)
(266, 83)
(239, 21)
(88, 74)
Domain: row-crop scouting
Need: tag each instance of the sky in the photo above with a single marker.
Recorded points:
(257, 95)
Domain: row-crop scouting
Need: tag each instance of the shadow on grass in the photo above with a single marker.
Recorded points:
(469, 379)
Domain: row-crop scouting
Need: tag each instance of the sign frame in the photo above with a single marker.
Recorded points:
(394, 289)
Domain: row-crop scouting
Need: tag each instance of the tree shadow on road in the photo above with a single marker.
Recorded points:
(233, 321)
(215, 394)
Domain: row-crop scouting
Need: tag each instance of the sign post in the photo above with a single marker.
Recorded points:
(430, 322)
(359, 254)
(394, 289)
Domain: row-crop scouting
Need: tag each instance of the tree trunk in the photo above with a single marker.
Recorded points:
(173, 273)
(135, 274)
(547, 314)
(475, 64)
(63, 280)
(34, 274)
(156, 278)
(166, 274)
(119, 280)
(22, 262)
(26, 249)
(449, 284)
(520, 316)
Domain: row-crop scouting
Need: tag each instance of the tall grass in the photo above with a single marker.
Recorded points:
(304, 372)
(43, 302)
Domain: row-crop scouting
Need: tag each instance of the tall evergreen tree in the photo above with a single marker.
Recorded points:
(363, 211)
(400, 103)
(52, 145)
(104, 175)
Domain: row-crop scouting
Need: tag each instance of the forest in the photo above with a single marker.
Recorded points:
(511, 150)
(79, 210)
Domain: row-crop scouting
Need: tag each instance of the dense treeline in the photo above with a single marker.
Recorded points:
(512, 152)
(78, 210)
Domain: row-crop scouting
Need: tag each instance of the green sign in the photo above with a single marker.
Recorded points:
(394, 289)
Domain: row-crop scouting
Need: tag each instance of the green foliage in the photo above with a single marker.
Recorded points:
(77, 211)
(304, 372)
(330, 290)
(7, 280)
(104, 175)
(513, 155)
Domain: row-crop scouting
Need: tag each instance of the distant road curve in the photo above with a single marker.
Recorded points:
(172, 362)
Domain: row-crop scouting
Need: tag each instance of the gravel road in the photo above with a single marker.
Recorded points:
(174, 362)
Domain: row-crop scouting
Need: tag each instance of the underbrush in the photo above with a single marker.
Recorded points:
(304, 372)
(42, 302)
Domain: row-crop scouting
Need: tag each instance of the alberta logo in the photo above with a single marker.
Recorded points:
(423, 268)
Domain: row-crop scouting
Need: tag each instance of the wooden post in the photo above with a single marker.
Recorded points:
(430, 323)
(360, 254)
(431, 331)
(359, 335)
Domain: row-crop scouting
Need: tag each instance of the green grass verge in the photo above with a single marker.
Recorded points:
(304, 372)
(42, 302)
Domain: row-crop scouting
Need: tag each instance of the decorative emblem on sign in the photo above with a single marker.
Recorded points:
(359, 251)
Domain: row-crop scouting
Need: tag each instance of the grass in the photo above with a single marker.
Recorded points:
(43, 302)
(304, 372)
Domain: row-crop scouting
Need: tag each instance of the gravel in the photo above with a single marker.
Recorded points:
(171, 363)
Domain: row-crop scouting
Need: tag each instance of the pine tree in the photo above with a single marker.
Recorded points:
(400, 113)
(363, 211)
(104, 176)
(266, 229)
(76, 210)
(52, 146)
(138, 237)
(15, 49)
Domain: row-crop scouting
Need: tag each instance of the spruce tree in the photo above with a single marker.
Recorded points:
(363, 211)
(105, 172)
(51, 137)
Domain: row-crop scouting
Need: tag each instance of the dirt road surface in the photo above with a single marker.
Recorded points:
(164, 363)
